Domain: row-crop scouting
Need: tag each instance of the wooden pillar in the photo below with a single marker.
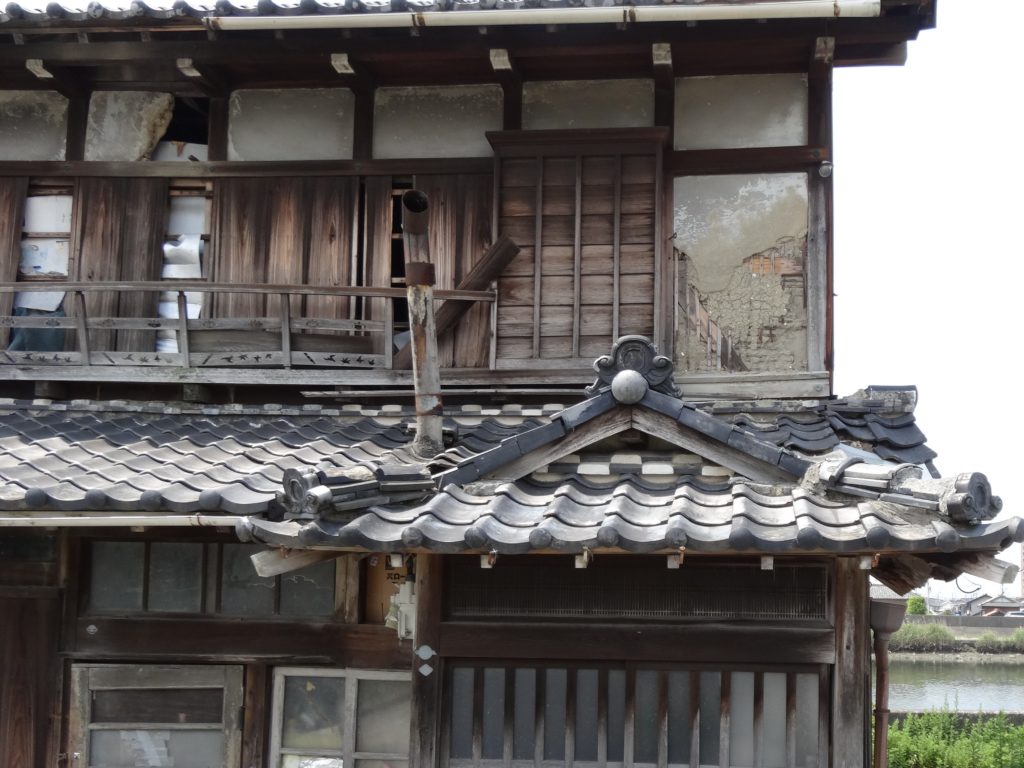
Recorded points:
(427, 671)
(819, 214)
(851, 675)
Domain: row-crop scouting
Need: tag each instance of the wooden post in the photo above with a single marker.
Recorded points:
(419, 281)
(427, 671)
(819, 214)
(850, 689)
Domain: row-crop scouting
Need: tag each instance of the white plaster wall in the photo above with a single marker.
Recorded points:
(588, 104)
(436, 121)
(296, 124)
(126, 125)
(33, 125)
(739, 111)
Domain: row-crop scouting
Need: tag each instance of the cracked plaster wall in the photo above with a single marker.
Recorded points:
(742, 243)
(33, 125)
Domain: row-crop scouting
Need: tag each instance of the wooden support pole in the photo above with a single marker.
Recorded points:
(419, 280)
(819, 199)
(851, 687)
(427, 672)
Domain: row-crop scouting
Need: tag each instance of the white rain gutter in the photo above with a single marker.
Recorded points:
(115, 521)
(628, 14)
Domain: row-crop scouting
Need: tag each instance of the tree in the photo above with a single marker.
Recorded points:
(916, 606)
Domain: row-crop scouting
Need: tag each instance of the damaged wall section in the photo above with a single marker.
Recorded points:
(741, 250)
(33, 125)
(126, 125)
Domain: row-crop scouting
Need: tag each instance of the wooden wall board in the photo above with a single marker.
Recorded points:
(12, 205)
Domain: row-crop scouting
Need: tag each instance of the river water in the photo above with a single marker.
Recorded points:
(957, 686)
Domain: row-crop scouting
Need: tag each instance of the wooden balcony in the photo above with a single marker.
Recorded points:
(282, 347)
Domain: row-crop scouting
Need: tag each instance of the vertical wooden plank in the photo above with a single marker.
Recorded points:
(286, 252)
(257, 687)
(362, 130)
(241, 211)
(570, 717)
(427, 673)
(819, 201)
(217, 128)
(725, 714)
(377, 246)
(28, 646)
(538, 249)
(478, 715)
(790, 720)
(512, 112)
(694, 719)
(102, 204)
(183, 340)
(661, 336)
(330, 203)
(12, 208)
(471, 336)
(539, 705)
(629, 725)
(577, 257)
(616, 248)
(144, 224)
(852, 669)
(602, 717)
(348, 578)
(78, 118)
(508, 719)
(662, 718)
(823, 718)
(444, 224)
(81, 313)
(759, 719)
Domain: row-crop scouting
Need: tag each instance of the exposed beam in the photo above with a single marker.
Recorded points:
(664, 83)
(203, 76)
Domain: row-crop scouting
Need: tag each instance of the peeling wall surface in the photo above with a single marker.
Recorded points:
(126, 125)
(33, 125)
(297, 124)
(442, 121)
(588, 104)
(740, 111)
(741, 248)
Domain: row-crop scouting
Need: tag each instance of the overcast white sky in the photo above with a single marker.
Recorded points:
(929, 167)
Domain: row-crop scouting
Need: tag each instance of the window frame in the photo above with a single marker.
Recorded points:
(352, 678)
(87, 678)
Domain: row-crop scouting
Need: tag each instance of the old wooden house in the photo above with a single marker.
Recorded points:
(239, 528)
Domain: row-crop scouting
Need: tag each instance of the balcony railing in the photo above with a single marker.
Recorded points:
(95, 344)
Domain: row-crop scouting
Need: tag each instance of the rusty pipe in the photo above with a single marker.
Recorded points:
(419, 281)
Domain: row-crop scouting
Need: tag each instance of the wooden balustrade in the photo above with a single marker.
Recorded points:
(279, 340)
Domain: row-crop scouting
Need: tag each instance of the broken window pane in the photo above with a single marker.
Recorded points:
(741, 250)
(33, 125)
(294, 124)
(440, 121)
(588, 104)
(737, 111)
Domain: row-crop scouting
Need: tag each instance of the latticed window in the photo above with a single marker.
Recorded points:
(635, 715)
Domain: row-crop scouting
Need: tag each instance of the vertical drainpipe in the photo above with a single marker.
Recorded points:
(886, 618)
(419, 281)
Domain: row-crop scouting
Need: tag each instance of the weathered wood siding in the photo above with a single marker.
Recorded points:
(12, 202)
(586, 215)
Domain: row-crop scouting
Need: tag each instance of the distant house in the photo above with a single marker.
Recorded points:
(1000, 606)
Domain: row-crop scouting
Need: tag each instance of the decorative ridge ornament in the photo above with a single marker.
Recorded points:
(636, 354)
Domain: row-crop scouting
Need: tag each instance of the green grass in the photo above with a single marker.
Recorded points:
(921, 638)
(990, 643)
(944, 740)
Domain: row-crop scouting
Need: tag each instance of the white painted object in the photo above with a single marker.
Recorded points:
(439, 121)
(295, 124)
(44, 257)
(179, 152)
(588, 104)
(741, 111)
(33, 125)
(48, 213)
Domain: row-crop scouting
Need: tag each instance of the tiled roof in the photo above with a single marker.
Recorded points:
(83, 455)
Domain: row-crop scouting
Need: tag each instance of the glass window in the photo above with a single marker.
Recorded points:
(115, 582)
(330, 718)
(175, 577)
